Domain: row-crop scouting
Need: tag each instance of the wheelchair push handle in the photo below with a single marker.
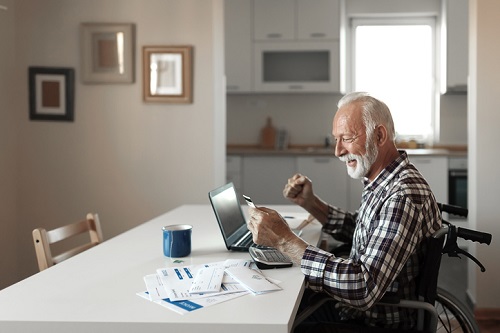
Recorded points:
(473, 235)
(452, 209)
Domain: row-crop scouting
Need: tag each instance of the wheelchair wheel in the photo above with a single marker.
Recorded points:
(454, 316)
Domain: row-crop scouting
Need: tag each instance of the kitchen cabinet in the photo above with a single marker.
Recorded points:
(238, 45)
(355, 188)
(318, 19)
(265, 177)
(282, 46)
(274, 20)
(297, 67)
(286, 20)
(329, 178)
(456, 43)
(234, 171)
(435, 171)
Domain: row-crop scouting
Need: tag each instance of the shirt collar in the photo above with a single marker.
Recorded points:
(388, 173)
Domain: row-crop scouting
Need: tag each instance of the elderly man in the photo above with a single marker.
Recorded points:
(398, 212)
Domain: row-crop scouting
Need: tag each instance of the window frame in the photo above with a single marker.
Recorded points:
(398, 19)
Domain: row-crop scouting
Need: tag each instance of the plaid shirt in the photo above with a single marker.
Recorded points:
(398, 211)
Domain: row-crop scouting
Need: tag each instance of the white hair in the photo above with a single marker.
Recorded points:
(375, 112)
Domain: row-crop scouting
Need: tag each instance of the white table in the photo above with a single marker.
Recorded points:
(96, 290)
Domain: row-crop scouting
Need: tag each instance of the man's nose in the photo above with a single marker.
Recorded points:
(339, 148)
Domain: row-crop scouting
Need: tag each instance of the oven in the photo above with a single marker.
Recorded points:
(457, 182)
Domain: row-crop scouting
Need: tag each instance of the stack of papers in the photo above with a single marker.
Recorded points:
(187, 288)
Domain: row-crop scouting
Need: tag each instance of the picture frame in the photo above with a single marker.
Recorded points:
(51, 93)
(107, 52)
(167, 74)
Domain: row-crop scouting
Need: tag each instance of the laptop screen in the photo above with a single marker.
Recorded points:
(228, 212)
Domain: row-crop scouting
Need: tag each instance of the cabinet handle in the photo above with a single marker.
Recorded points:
(318, 35)
(274, 35)
(295, 87)
(232, 88)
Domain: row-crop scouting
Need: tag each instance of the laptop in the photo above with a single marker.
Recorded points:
(232, 223)
(229, 215)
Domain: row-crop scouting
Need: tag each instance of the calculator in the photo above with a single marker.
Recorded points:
(268, 257)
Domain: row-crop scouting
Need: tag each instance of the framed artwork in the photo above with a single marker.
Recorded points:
(167, 74)
(107, 52)
(51, 93)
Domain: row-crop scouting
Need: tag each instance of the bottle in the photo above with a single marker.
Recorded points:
(268, 135)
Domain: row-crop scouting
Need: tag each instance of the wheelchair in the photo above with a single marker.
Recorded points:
(437, 309)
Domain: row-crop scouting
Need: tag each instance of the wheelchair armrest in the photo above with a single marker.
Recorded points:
(390, 298)
(419, 305)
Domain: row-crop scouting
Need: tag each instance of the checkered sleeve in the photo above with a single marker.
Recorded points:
(359, 281)
(340, 224)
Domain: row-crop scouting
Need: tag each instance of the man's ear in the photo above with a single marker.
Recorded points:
(381, 135)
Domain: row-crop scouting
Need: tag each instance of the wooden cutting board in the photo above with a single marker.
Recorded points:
(268, 135)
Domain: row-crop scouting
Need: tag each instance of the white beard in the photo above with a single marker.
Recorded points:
(363, 162)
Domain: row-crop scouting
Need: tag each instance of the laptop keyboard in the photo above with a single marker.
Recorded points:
(247, 242)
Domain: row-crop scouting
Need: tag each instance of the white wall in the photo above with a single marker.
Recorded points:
(125, 159)
(8, 145)
(484, 118)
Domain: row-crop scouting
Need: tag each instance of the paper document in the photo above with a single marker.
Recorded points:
(252, 280)
(207, 280)
(178, 280)
(155, 287)
(184, 307)
(184, 289)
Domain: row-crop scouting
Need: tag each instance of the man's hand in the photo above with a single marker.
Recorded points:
(299, 190)
(269, 228)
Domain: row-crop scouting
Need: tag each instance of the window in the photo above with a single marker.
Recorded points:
(394, 59)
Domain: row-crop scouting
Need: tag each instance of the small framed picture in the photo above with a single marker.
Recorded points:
(51, 93)
(107, 52)
(167, 74)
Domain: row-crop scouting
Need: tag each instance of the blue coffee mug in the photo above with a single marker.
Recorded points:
(177, 240)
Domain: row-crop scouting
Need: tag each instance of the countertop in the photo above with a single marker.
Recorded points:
(311, 150)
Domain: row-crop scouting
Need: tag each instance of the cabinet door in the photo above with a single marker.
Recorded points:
(297, 67)
(233, 172)
(435, 171)
(318, 19)
(238, 40)
(264, 178)
(274, 20)
(355, 189)
(328, 176)
(457, 43)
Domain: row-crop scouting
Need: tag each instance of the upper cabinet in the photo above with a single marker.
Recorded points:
(455, 42)
(318, 19)
(274, 20)
(289, 20)
(282, 45)
(297, 67)
(239, 49)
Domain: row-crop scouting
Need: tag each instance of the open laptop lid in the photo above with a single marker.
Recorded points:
(227, 209)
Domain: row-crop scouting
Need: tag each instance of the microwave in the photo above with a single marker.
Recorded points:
(297, 67)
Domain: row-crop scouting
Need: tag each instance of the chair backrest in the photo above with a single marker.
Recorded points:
(428, 277)
(427, 285)
(43, 240)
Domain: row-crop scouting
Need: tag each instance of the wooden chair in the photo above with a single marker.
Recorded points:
(43, 240)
